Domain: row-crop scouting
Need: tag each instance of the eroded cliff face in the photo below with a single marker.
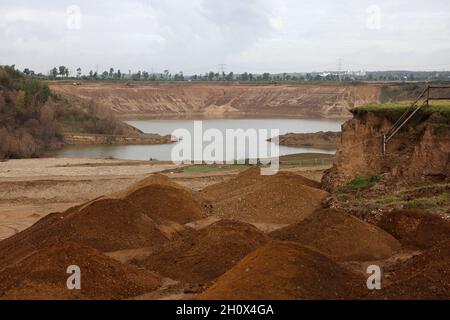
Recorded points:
(332, 101)
(420, 151)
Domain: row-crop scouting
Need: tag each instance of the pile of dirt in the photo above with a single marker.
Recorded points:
(286, 270)
(414, 228)
(110, 225)
(160, 197)
(426, 276)
(43, 276)
(340, 236)
(283, 198)
(250, 177)
(105, 224)
(147, 213)
(205, 255)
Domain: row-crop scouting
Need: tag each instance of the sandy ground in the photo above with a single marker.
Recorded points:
(33, 188)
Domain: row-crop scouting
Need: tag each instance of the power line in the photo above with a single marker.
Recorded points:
(222, 67)
(340, 69)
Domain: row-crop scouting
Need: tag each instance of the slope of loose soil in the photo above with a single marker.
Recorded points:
(202, 257)
(283, 198)
(415, 228)
(286, 270)
(159, 197)
(43, 276)
(340, 236)
(426, 276)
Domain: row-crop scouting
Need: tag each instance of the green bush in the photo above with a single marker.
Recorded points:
(20, 101)
(37, 91)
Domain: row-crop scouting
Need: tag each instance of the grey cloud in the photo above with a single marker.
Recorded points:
(251, 35)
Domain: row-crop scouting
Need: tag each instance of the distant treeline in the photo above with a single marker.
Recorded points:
(62, 72)
(33, 120)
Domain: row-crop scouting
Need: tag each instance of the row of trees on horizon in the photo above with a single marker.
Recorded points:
(62, 72)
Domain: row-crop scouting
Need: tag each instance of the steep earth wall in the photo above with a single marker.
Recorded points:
(420, 151)
(163, 100)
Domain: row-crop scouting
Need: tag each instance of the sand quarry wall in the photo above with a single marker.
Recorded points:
(218, 100)
(420, 150)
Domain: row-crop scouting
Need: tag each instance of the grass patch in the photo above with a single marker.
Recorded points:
(428, 202)
(425, 188)
(420, 197)
(306, 156)
(389, 200)
(360, 183)
(393, 110)
(300, 159)
(307, 159)
(204, 168)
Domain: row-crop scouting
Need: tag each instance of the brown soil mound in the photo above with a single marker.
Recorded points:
(110, 225)
(145, 214)
(209, 253)
(340, 236)
(426, 276)
(153, 179)
(416, 228)
(251, 197)
(286, 270)
(43, 276)
(250, 177)
(106, 224)
(160, 197)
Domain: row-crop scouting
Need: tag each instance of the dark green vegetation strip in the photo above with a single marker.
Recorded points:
(360, 183)
(299, 159)
(393, 110)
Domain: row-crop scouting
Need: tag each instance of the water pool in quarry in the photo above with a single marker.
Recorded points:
(163, 152)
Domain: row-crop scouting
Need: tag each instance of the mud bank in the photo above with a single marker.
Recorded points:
(107, 139)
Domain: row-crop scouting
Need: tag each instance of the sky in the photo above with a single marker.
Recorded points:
(196, 36)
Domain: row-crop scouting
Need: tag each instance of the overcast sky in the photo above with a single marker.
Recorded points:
(196, 36)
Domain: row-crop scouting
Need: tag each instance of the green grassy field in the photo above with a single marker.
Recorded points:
(307, 159)
(299, 159)
(436, 106)
(203, 168)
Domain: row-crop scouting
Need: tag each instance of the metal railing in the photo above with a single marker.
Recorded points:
(423, 100)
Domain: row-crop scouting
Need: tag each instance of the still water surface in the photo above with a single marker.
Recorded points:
(164, 127)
